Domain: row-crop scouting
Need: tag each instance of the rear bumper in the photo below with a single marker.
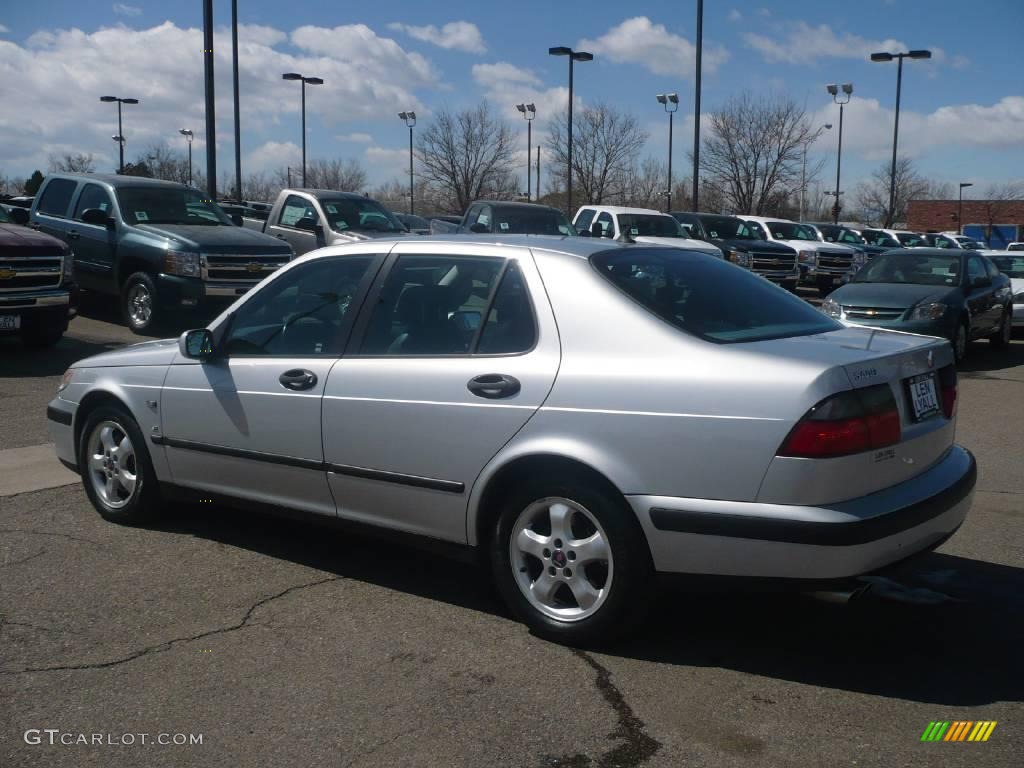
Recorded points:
(800, 542)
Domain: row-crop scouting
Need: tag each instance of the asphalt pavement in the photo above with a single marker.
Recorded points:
(280, 643)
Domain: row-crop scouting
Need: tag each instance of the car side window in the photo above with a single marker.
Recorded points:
(510, 327)
(431, 305)
(93, 196)
(975, 270)
(296, 208)
(303, 313)
(583, 220)
(57, 197)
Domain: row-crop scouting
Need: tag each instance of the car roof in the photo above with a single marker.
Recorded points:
(328, 193)
(765, 219)
(950, 252)
(624, 209)
(116, 180)
(513, 204)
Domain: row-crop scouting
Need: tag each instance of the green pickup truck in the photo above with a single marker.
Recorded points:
(162, 248)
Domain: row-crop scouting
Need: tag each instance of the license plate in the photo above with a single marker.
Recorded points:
(923, 396)
(10, 322)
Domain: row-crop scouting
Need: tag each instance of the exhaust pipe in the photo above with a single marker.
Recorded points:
(840, 596)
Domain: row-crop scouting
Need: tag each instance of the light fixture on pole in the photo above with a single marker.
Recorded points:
(574, 56)
(881, 57)
(847, 89)
(529, 111)
(803, 168)
(188, 137)
(120, 130)
(670, 102)
(960, 207)
(410, 120)
(305, 81)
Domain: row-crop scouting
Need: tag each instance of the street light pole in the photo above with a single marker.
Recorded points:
(836, 98)
(529, 111)
(574, 56)
(671, 103)
(960, 207)
(696, 104)
(188, 137)
(310, 81)
(803, 168)
(918, 54)
(410, 120)
(211, 116)
(120, 129)
(234, 74)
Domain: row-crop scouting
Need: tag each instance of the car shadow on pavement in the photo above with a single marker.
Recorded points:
(982, 357)
(951, 635)
(16, 360)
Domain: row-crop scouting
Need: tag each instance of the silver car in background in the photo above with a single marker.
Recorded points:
(583, 413)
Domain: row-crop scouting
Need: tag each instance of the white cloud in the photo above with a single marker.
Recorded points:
(640, 41)
(803, 43)
(126, 10)
(455, 35)
(3, 30)
(735, 16)
(486, 74)
(355, 138)
(507, 85)
(272, 155)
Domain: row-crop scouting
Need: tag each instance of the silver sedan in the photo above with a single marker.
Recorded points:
(584, 414)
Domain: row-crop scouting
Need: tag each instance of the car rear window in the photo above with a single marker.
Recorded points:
(56, 197)
(708, 297)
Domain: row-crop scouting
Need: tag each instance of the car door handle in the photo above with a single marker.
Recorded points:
(297, 379)
(493, 386)
(73, 234)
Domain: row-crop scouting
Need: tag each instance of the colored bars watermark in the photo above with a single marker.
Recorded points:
(959, 730)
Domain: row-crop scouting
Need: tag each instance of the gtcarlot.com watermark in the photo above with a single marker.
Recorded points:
(56, 737)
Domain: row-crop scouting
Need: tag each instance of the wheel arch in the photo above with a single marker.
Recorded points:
(95, 399)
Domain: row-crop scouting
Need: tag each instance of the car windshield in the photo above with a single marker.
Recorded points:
(727, 228)
(355, 213)
(708, 297)
(910, 240)
(1011, 266)
(836, 234)
(910, 268)
(169, 205)
(757, 230)
(874, 237)
(788, 230)
(530, 221)
(649, 225)
(414, 222)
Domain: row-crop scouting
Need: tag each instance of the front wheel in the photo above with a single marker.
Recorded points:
(1001, 338)
(571, 562)
(139, 303)
(960, 338)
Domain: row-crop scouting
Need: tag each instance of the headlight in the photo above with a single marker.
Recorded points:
(181, 263)
(69, 374)
(740, 258)
(832, 308)
(928, 312)
(808, 257)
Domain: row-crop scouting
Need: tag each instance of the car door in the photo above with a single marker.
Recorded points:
(247, 421)
(981, 300)
(295, 223)
(455, 351)
(94, 245)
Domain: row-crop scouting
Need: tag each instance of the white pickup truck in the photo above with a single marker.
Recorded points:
(643, 225)
(822, 263)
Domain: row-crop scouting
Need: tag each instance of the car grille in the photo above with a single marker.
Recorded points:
(772, 262)
(20, 272)
(835, 261)
(241, 267)
(872, 313)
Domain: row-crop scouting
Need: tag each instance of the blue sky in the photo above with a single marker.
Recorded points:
(962, 113)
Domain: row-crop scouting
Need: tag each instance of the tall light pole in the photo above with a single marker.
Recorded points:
(305, 81)
(574, 56)
(410, 120)
(918, 54)
(960, 207)
(696, 104)
(209, 91)
(671, 103)
(803, 168)
(120, 130)
(847, 89)
(529, 111)
(234, 77)
(188, 137)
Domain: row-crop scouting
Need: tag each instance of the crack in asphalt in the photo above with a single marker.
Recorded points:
(49, 533)
(988, 377)
(635, 748)
(168, 644)
(9, 563)
(380, 745)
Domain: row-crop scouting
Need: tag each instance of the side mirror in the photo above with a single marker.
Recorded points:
(196, 345)
(306, 224)
(19, 216)
(236, 219)
(480, 229)
(95, 216)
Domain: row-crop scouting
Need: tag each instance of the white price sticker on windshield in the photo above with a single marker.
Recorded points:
(503, 225)
(141, 216)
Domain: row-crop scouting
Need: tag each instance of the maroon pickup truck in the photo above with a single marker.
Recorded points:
(38, 295)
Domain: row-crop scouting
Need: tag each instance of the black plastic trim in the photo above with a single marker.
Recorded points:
(449, 486)
(59, 416)
(822, 534)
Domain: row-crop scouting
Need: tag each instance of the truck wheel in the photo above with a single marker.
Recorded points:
(139, 303)
(41, 338)
(1001, 338)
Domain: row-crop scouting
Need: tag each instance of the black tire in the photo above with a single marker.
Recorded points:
(1001, 338)
(42, 338)
(139, 287)
(144, 504)
(632, 580)
(960, 349)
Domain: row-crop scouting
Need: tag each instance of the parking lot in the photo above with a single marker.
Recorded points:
(285, 643)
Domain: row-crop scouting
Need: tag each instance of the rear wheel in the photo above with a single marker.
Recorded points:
(571, 561)
(1001, 338)
(960, 338)
(139, 303)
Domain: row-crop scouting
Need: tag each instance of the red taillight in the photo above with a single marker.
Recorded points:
(947, 381)
(850, 422)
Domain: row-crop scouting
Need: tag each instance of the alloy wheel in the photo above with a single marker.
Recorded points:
(112, 465)
(140, 305)
(561, 559)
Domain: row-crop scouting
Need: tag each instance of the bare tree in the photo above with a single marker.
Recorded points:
(872, 195)
(753, 151)
(645, 185)
(996, 205)
(340, 175)
(72, 162)
(606, 145)
(468, 155)
(166, 163)
(259, 187)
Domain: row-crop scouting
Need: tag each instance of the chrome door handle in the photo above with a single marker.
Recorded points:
(297, 379)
